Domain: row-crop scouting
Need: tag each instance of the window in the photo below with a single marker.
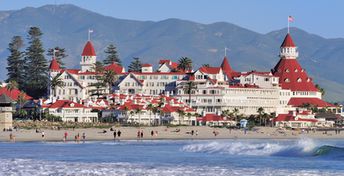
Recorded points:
(286, 80)
(296, 70)
(287, 70)
(308, 79)
(267, 79)
(299, 80)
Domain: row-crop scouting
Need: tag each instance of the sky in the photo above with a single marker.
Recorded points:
(321, 17)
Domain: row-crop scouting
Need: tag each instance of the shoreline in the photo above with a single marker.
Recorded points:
(164, 133)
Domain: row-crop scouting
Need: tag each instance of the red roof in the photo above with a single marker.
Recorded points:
(88, 50)
(210, 70)
(165, 61)
(210, 118)
(115, 68)
(146, 65)
(288, 41)
(290, 117)
(13, 94)
(298, 102)
(172, 65)
(66, 104)
(227, 69)
(54, 65)
(292, 76)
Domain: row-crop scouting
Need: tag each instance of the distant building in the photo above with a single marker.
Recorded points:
(5, 112)
(285, 88)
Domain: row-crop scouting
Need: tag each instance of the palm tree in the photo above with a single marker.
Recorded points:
(155, 110)
(226, 113)
(150, 109)
(185, 64)
(235, 113)
(109, 78)
(126, 110)
(11, 86)
(138, 111)
(265, 116)
(188, 88)
(321, 90)
(260, 114)
(189, 115)
(20, 103)
(56, 82)
(181, 114)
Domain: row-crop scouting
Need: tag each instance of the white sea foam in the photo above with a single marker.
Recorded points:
(57, 168)
(301, 147)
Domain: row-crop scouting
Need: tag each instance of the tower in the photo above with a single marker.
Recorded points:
(291, 75)
(88, 57)
(288, 49)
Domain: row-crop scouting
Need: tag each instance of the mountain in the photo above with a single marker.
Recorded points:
(67, 25)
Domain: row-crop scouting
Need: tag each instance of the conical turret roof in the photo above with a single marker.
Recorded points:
(226, 68)
(288, 41)
(88, 50)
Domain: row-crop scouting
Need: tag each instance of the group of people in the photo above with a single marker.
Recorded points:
(76, 137)
(117, 135)
(139, 134)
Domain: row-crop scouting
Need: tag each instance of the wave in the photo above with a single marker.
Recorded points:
(59, 168)
(304, 147)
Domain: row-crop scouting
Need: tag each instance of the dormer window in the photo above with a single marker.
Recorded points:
(308, 79)
(299, 80)
(302, 70)
(286, 80)
(287, 70)
(296, 70)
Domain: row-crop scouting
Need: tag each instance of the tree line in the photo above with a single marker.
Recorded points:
(28, 69)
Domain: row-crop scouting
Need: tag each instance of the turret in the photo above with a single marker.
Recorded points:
(88, 57)
(288, 50)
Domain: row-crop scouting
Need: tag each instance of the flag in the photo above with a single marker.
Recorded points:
(290, 19)
(90, 30)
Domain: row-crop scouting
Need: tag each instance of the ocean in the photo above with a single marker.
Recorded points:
(174, 157)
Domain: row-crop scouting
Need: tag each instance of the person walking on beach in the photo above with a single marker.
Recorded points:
(83, 137)
(152, 133)
(138, 134)
(114, 135)
(65, 136)
(141, 133)
(43, 135)
(11, 138)
(119, 133)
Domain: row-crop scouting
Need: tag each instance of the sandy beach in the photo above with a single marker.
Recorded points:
(175, 133)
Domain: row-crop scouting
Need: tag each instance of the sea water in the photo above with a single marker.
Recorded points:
(176, 157)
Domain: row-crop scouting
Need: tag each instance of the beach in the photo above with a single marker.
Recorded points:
(162, 132)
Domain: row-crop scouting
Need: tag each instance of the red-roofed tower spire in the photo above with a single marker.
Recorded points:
(291, 75)
(54, 65)
(88, 56)
(288, 48)
(226, 68)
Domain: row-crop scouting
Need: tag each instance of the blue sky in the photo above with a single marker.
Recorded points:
(317, 16)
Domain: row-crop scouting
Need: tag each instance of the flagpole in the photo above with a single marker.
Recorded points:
(225, 51)
(89, 35)
(288, 24)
